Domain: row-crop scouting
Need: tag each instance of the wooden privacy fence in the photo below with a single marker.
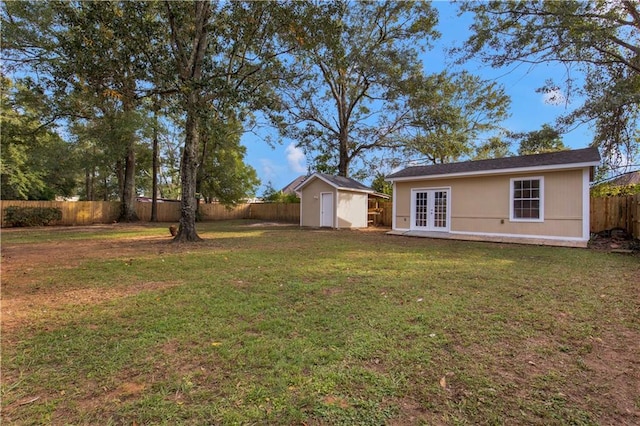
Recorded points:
(92, 212)
(616, 212)
(170, 212)
(280, 212)
(73, 213)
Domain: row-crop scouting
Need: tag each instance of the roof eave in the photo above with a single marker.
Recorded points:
(339, 188)
(497, 171)
(366, 191)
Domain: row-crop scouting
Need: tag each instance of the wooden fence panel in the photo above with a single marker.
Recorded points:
(616, 212)
(634, 208)
(73, 213)
(215, 211)
(281, 212)
(167, 212)
(104, 211)
(386, 216)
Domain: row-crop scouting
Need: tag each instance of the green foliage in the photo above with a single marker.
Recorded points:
(379, 184)
(272, 195)
(36, 163)
(449, 112)
(31, 216)
(494, 147)
(606, 189)
(223, 174)
(343, 96)
(89, 60)
(596, 41)
(547, 139)
(100, 61)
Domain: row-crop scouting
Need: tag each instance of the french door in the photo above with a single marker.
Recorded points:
(430, 209)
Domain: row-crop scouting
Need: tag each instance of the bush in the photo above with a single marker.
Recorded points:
(31, 216)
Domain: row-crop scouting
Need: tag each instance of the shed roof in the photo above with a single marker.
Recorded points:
(630, 178)
(560, 159)
(293, 185)
(341, 183)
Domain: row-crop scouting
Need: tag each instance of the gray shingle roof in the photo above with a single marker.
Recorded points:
(578, 156)
(338, 182)
(291, 187)
(345, 183)
(631, 178)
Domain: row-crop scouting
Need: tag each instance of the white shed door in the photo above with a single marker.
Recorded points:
(326, 209)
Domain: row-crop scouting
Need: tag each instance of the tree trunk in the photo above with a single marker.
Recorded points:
(128, 211)
(88, 184)
(156, 166)
(188, 174)
(190, 68)
(343, 164)
(120, 178)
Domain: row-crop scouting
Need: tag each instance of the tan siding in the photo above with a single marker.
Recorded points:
(310, 202)
(352, 209)
(563, 195)
(402, 196)
(481, 204)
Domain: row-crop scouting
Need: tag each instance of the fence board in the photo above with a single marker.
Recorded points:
(215, 211)
(73, 213)
(635, 216)
(616, 212)
(281, 212)
(166, 212)
(387, 213)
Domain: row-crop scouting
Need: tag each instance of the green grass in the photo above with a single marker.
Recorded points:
(290, 326)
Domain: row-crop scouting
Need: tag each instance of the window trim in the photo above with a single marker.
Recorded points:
(512, 218)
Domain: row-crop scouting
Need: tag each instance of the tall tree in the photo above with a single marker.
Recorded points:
(349, 60)
(223, 176)
(189, 43)
(85, 50)
(448, 112)
(596, 38)
(494, 147)
(547, 139)
(36, 163)
(222, 55)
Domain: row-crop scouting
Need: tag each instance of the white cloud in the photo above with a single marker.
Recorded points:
(296, 159)
(269, 170)
(554, 97)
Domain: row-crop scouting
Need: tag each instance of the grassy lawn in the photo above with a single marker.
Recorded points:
(277, 325)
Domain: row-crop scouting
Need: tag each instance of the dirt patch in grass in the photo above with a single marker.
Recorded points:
(614, 367)
(24, 265)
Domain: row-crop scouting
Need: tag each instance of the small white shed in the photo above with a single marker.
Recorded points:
(333, 202)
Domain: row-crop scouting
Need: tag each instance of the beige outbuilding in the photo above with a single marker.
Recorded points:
(537, 199)
(334, 202)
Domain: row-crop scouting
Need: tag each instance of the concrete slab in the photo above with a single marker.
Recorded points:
(490, 238)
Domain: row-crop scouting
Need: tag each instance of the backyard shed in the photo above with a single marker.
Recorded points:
(537, 199)
(334, 202)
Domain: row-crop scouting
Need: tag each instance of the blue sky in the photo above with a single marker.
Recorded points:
(284, 162)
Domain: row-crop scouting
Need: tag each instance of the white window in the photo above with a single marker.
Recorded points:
(527, 199)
